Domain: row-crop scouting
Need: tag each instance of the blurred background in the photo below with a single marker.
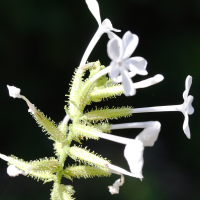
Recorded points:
(42, 42)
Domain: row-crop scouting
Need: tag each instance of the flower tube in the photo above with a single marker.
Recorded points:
(145, 83)
(148, 136)
(104, 27)
(186, 108)
(134, 148)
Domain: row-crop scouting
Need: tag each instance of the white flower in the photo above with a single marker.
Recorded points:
(149, 135)
(133, 153)
(104, 27)
(145, 83)
(134, 148)
(14, 91)
(13, 171)
(186, 108)
(114, 189)
(94, 9)
(119, 51)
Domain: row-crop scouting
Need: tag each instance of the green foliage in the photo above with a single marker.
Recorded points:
(82, 131)
(49, 126)
(104, 127)
(84, 171)
(106, 114)
(82, 92)
(106, 92)
(42, 169)
(85, 156)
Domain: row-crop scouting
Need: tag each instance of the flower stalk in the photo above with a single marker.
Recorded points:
(80, 124)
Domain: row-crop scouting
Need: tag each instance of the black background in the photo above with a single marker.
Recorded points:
(42, 42)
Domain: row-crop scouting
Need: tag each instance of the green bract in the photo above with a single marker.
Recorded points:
(83, 126)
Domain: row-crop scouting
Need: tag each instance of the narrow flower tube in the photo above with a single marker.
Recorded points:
(148, 136)
(4, 157)
(66, 119)
(63, 127)
(158, 109)
(104, 27)
(118, 170)
(145, 83)
(182, 108)
(132, 125)
(114, 89)
(114, 138)
(133, 152)
(186, 108)
(101, 73)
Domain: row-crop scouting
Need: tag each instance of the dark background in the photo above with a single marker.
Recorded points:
(42, 42)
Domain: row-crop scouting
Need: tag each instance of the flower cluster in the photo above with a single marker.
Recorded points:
(80, 124)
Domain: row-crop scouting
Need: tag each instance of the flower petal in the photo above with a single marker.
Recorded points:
(149, 135)
(127, 83)
(14, 91)
(114, 189)
(107, 26)
(94, 9)
(131, 74)
(13, 171)
(148, 82)
(186, 127)
(114, 49)
(130, 42)
(136, 64)
(188, 83)
(189, 108)
(134, 155)
(114, 71)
